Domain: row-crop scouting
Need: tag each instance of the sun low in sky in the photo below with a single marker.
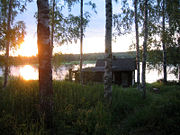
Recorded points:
(93, 42)
(91, 45)
(28, 47)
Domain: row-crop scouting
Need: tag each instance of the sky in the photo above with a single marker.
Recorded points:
(94, 40)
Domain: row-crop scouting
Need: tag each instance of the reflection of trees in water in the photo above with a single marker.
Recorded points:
(171, 69)
(153, 67)
(154, 72)
(62, 72)
(59, 72)
(174, 70)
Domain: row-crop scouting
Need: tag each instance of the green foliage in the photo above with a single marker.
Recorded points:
(122, 22)
(161, 116)
(19, 108)
(81, 110)
(17, 31)
(67, 27)
(17, 34)
(90, 56)
(19, 60)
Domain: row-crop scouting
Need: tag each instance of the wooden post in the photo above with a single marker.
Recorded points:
(70, 74)
(133, 77)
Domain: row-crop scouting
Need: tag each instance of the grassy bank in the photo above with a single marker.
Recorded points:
(81, 110)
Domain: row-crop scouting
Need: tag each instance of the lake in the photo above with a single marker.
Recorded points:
(30, 72)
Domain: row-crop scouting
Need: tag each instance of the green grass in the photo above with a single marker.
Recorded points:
(81, 110)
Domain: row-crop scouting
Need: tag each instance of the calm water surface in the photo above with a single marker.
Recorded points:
(30, 72)
(152, 75)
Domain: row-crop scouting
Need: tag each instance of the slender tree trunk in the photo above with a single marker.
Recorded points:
(178, 56)
(45, 72)
(145, 48)
(8, 44)
(81, 44)
(179, 72)
(137, 44)
(52, 27)
(108, 53)
(163, 44)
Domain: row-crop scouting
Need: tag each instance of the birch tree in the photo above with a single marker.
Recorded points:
(44, 53)
(145, 48)
(7, 43)
(52, 25)
(169, 12)
(137, 43)
(108, 53)
(11, 35)
(81, 41)
(65, 29)
(123, 23)
(82, 27)
(163, 43)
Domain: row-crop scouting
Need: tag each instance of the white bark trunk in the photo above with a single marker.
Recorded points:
(44, 53)
(145, 48)
(8, 44)
(163, 44)
(52, 26)
(108, 53)
(179, 73)
(137, 44)
(81, 44)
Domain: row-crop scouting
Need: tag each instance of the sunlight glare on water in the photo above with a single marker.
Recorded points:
(28, 72)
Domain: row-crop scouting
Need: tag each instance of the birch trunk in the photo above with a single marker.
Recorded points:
(163, 43)
(52, 27)
(44, 53)
(8, 44)
(81, 43)
(145, 49)
(108, 53)
(179, 72)
(137, 44)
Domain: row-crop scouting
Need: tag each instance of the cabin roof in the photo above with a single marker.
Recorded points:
(118, 64)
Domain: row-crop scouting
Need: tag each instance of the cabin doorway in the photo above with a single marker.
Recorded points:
(124, 78)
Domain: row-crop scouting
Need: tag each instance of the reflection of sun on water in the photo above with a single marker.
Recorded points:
(28, 73)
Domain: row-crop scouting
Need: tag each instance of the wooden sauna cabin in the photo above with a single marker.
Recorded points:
(123, 72)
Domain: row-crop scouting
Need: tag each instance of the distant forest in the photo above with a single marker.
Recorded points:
(90, 56)
(153, 56)
(63, 58)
